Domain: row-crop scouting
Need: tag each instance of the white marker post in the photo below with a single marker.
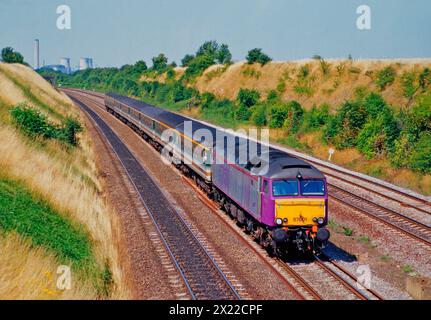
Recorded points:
(331, 152)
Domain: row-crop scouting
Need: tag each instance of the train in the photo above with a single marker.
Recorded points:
(281, 200)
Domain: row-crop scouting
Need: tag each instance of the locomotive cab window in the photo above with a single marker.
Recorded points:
(285, 188)
(312, 188)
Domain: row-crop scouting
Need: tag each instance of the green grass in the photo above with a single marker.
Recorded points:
(364, 239)
(385, 258)
(32, 218)
(293, 142)
(348, 232)
(407, 268)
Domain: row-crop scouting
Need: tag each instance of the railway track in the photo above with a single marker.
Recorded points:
(389, 217)
(200, 272)
(332, 269)
(312, 277)
(401, 222)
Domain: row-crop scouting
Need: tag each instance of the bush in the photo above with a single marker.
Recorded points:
(68, 133)
(243, 113)
(257, 56)
(35, 124)
(272, 96)
(207, 99)
(385, 77)
(344, 128)
(294, 117)
(259, 116)
(9, 55)
(420, 158)
(248, 97)
(198, 65)
(418, 119)
(317, 117)
(277, 115)
(408, 84)
(425, 78)
(378, 135)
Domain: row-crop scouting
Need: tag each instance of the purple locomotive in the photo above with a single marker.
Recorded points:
(281, 200)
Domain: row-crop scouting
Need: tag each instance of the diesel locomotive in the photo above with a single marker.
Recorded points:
(280, 200)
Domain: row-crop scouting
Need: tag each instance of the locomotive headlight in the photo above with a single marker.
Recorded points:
(314, 219)
(279, 221)
(285, 220)
(320, 220)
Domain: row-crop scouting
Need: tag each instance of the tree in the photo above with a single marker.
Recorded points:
(8, 55)
(140, 66)
(186, 60)
(257, 56)
(160, 63)
(209, 48)
(223, 55)
(198, 65)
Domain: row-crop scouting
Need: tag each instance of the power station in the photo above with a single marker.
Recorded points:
(65, 63)
(85, 63)
(36, 64)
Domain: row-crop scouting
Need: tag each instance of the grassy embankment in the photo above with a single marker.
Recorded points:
(376, 114)
(52, 212)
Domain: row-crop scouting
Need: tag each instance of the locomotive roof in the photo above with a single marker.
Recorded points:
(282, 165)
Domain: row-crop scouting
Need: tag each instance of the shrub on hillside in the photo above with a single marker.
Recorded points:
(35, 124)
(344, 128)
(316, 117)
(198, 65)
(378, 136)
(32, 122)
(425, 78)
(9, 55)
(247, 97)
(259, 116)
(408, 84)
(418, 119)
(294, 117)
(243, 113)
(257, 56)
(385, 77)
(207, 98)
(420, 158)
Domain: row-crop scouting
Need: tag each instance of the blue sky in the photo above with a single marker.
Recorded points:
(115, 32)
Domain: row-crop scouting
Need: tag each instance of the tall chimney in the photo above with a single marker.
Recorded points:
(36, 54)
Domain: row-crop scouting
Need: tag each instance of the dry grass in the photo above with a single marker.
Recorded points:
(334, 88)
(67, 180)
(34, 273)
